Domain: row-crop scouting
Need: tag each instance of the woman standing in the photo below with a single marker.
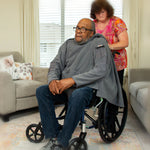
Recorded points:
(114, 30)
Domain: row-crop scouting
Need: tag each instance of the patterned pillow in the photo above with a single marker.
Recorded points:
(23, 71)
(6, 64)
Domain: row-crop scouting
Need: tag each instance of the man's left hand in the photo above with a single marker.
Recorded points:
(64, 84)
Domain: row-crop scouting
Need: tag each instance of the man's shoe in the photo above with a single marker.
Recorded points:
(57, 146)
(48, 145)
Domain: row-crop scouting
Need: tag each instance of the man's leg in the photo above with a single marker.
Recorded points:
(46, 101)
(79, 99)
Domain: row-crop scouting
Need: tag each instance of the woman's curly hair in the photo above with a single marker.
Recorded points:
(98, 5)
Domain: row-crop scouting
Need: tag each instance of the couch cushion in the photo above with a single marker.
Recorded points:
(26, 88)
(23, 70)
(6, 64)
(135, 86)
(142, 97)
(16, 55)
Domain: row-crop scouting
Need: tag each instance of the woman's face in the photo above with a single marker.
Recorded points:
(102, 15)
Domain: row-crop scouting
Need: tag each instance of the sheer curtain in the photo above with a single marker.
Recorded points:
(29, 26)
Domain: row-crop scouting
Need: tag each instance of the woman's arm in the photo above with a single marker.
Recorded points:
(123, 41)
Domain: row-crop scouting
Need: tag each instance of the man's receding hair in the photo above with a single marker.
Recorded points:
(92, 24)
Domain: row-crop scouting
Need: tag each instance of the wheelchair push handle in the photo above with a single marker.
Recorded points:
(115, 52)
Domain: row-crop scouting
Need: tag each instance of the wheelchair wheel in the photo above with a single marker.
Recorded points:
(112, 120)
(34, 133)
(77, 144)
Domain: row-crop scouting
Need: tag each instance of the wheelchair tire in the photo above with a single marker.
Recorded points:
(77, 144)
(111, 120)
(34, 133)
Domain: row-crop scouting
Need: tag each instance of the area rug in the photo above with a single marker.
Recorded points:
(13, 137)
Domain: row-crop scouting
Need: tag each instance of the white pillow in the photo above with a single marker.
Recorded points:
(6, 64)
(23, 71)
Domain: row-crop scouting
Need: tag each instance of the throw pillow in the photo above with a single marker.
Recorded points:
(23, 71)
(6, 64)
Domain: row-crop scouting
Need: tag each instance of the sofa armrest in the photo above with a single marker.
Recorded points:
(140, 74)
(40, 74)
(7, 94)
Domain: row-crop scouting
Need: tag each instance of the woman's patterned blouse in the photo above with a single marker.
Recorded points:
(111, 33)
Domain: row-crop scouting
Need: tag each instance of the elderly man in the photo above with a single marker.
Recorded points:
(82, 64)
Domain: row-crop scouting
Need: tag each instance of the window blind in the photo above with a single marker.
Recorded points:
(57, 19)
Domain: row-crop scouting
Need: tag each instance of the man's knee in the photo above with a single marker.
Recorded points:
(81, 96)
(82, 92)
(77, 96)
(78, 93)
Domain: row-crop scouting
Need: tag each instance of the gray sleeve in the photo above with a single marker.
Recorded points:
(99, 70)
(58, 64)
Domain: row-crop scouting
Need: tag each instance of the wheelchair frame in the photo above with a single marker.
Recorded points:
(110, 123)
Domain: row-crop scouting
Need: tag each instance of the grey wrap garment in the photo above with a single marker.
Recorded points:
(89, 64)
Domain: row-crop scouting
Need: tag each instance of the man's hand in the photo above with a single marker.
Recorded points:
(64, 84)
(53, 87)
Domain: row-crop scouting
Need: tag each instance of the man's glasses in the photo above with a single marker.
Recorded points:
(83, 30)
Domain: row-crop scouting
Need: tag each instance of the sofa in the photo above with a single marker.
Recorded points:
(16, 95)
(139, 94)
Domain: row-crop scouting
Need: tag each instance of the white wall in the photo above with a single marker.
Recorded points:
(144, 55)
(9, 25)
(139, 34)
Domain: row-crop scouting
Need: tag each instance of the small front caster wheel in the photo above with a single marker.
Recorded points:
(77, 144)
(34, 133)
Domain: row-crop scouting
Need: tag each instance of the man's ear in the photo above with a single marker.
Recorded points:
(92, 33)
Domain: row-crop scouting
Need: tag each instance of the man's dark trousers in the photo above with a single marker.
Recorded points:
(77, 102)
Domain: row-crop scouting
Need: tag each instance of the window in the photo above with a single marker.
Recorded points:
(57, 18)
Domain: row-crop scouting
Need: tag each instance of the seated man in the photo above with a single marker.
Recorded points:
(82, 64)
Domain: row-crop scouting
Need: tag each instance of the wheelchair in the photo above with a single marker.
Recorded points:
(110, 123)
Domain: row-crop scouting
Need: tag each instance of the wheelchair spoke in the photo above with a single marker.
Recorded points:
(106, 134)
(74, 144)
(31, 135)
(32, 130)
(38, 134)
(35, 137)
(113, 135)
(116, 120)
(77, 144)
(120, 112)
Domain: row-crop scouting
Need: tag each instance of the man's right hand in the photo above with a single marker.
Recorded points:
(53, 87)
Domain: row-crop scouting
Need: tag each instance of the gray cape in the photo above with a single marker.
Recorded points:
(89, 64)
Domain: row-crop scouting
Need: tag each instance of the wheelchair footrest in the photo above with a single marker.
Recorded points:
(90, 127)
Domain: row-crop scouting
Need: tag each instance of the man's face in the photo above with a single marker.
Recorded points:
(83, 31)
